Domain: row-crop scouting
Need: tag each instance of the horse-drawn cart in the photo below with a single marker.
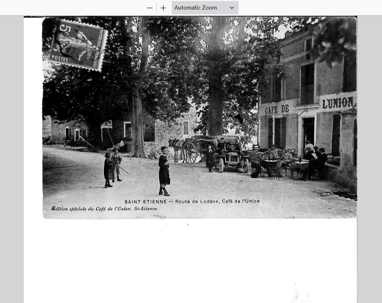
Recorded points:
(190, 149)
(198, 146)
(228, 152)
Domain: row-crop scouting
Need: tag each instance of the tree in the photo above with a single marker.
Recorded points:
(231, 63)
(131, 71)
(70, 92)
(235, 53)
(334, 37)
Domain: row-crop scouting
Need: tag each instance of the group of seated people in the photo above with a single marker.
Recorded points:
(286, 158)
(317, 159)
(259, 160)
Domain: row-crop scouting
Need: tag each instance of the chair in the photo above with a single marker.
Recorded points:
(275, 168)
(286, 159)
(289, 165)
(263, 156)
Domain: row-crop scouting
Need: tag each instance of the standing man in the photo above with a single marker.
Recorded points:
(255, 159)
(117, 159)
(164, 173)
(321, 161)
(210, 158)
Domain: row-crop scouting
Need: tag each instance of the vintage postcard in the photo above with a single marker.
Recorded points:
(200, 117)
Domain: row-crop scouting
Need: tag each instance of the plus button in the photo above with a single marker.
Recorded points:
(163, 7)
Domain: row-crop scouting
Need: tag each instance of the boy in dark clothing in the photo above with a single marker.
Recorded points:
(107, 169)
(164, 174)
(117, 159)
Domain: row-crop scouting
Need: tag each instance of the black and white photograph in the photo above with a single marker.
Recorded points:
(191, 117)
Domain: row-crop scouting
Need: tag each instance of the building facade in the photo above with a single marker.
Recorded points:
(64, 131)
(308, 100)
(156, 132)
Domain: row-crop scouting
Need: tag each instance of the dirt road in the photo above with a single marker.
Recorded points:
(74, 188)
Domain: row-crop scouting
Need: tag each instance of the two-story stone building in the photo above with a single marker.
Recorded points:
(309, 101)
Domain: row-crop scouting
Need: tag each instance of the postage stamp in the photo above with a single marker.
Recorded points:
(78, 44)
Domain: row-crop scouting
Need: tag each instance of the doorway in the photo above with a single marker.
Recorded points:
(76, 134)
(67, 133)
(308, 127)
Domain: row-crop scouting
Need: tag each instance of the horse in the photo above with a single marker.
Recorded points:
(178, 146)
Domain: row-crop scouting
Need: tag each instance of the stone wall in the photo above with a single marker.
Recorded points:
(324, 131)
(347, 174)
(329, 80)
(165, 131)
(264, 122)
(59, 130)
(47, 126)
(292, 72)
(292, 131)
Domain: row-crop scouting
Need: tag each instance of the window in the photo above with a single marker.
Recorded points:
(307, 84)
(308, 44)
(276, 88)
(185, 128)
(83, 133)
(308, 48)
(279, 132)
(76, 134)
(349, 83)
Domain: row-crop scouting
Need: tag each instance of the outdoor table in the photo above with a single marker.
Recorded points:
(300, 166)
(272, 165)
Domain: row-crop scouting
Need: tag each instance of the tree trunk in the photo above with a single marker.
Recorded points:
(137, 129)
(217, 69)
(137, 125)
(215, 108)
(216, 72)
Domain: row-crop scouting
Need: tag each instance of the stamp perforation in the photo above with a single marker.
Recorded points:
(80, 42)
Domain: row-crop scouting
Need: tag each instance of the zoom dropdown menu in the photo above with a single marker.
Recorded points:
(205, 7)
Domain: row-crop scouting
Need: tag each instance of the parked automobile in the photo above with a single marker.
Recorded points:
(230, 154)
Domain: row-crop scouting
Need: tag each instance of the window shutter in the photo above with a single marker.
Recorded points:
(270, 131)
(283, 132)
